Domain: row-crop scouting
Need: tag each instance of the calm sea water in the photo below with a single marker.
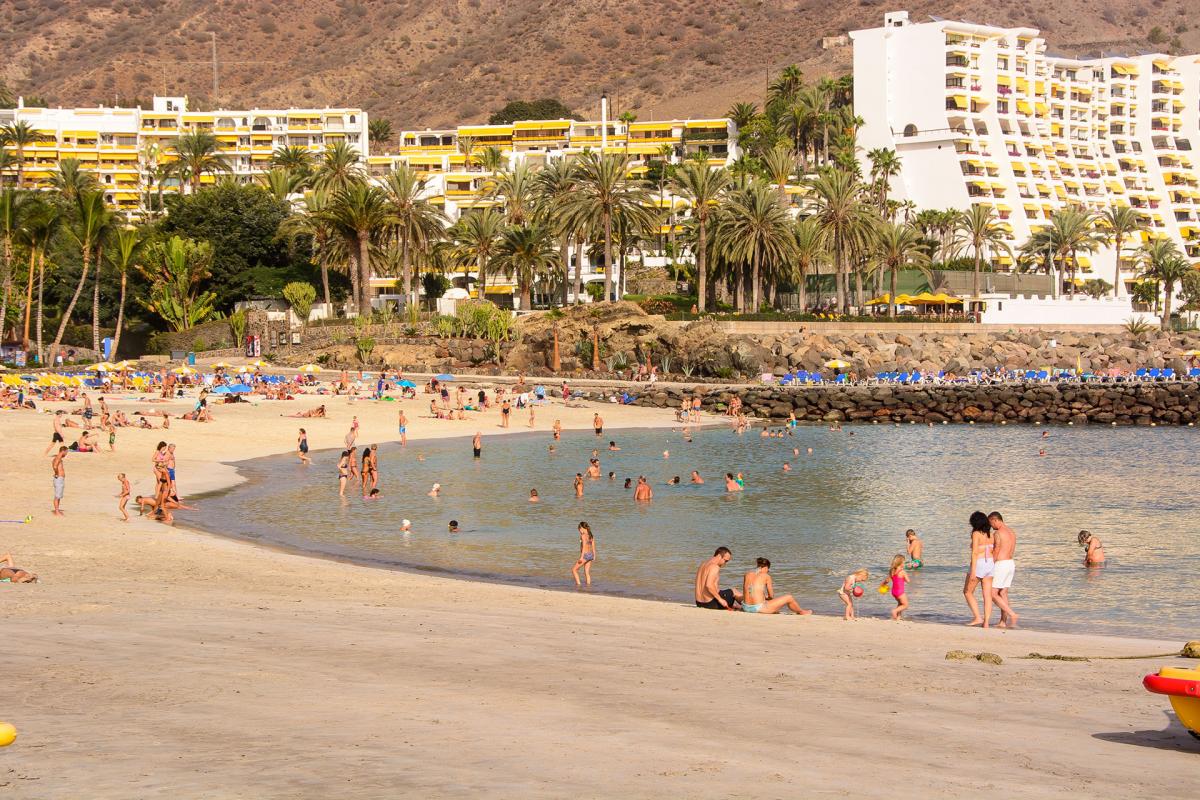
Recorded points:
(844, 506)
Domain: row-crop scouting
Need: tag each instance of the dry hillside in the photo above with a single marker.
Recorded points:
(437, 62)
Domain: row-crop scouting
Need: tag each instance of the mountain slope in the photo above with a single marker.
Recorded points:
(438, 63)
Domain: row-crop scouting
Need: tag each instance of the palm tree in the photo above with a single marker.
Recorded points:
(477, 235)
(527, 253)
(326, 247)
(837, 203)
(40, 223)
(1071, 231)
(755, 228)
(898, 246)
(779, 163)
(605, 190)
(19, 135)
(11, 212)
(516, 190)
(1119, 222)
(91, 224)
(1161, 261)
(124, 253)
(358, 215)
(742, 114)
(491, 159)
(280, 182)
(782, 91)
(553, 185)
(379, 131)
(701, 187)
(811, 252)
(197, 153)
(295, 158)
(341, 166)
(977, 230)
(70, 180)
(885, 165)
(466, 146)
(415, 222)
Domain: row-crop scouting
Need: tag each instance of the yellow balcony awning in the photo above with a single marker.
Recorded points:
(1162, 63)
(644, 149)
(1024, 107)
(485, 130)
(227, 139)
(1042, 108)
(992, 165)
(665, 127)
(706, 123)
(959, 101)
(539, 125)
(1004, 80)
(83, 156)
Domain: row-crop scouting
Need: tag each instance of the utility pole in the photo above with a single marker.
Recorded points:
(216, 80)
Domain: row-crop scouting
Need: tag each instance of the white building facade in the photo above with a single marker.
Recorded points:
(981, 115)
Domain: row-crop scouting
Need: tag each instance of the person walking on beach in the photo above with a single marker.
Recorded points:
(1095, 549)
(302, 447)
(758, 593)
(402, 422)
(899, 586)
(587, 554)
(477, 444)
(505, 412)
(981, 567)
(123, 496)
(709, 593)
(1006, 568)
(59, 471)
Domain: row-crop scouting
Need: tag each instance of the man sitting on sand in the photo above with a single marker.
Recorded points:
(758, 593)
(709, 593)
(9, 571)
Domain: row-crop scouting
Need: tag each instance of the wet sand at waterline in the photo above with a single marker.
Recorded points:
(161, 662)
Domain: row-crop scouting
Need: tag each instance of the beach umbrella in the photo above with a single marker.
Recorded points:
(882, 300)
(122, 366)
(224, 365)
(221, 390)
(240, 388)
(904, 300)
(1191, 353)
(407, 384)
(837, 364)
(260, 364)
(183, 371)
(445, 376)
(310, 369)
(103, 366)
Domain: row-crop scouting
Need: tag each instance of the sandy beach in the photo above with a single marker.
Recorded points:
(154, 661)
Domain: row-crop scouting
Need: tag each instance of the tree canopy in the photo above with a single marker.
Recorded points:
(546, 108)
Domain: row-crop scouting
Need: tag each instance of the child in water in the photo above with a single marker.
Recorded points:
(587, 554)
(846, 592)
(915, 547)
(899, 583)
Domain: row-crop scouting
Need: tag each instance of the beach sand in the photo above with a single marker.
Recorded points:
(159, 662)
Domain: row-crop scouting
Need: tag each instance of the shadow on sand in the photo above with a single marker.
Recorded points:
(1173, 737)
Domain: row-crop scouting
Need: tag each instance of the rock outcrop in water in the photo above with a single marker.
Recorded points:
(1124, 404)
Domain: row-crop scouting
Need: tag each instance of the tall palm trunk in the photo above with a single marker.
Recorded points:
(1074, 266)
(364, 273)
(802, 290)
(858, 288)
(355, 297)
(70, 309)
(1117, 271)
(96, 306)
(6, 286)
(755, 283)
(892, 298)
(481, 270)
(839, 266)
(40, 295)
(702, 268)
(1168, 290)
(116, 346)
(564, 256)
(325, 286)
(609, 276)
(975, 278)
(28, 298)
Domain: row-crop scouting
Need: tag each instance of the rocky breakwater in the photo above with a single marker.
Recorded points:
(1080, 404)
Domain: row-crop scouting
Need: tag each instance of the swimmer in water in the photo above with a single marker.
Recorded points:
(787, 467)
(436, 491)
(915, 548)
(731, 485)
(453, 526)
(696, 477)
(533, 496)
(628, 483)
(674, 481)
(643, 493)
(1095, 549)
(612, 446)
(579, 484)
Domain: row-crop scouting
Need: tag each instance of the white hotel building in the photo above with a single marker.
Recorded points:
(981, 115)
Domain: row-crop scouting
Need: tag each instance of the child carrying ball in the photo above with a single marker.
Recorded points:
(851, 589)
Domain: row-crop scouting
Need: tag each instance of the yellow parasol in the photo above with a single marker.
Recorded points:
(1191, 353)
(882, 300)
(224, 365)
(123, 366)
(259, 364)
(103, 366)
(837, 364)
(183, 371)
(310, 368)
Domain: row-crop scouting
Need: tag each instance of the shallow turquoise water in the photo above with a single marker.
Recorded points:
(844, 506)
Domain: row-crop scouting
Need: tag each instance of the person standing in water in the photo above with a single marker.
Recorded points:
(1095, 549)
(587, 554)
(477, 444)
(915, 548)
(302, 447)
(1006, 568)
(402, 423)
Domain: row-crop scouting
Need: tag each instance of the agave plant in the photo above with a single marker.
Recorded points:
(687, 369)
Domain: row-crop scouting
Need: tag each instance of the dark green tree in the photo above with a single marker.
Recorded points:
(546, 108)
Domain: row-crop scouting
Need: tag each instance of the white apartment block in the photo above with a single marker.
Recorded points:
(981, 115)
(121, 146)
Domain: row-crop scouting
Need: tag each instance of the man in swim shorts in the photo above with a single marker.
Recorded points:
(60, 478)
(1005, 553)
(709, 593)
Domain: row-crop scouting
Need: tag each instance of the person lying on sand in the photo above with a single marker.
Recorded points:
(10, 572)
(319, 411)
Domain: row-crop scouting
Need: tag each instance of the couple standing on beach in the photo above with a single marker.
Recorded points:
(993, 564)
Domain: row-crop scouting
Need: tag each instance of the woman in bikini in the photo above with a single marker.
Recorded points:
(980, 569)
(587, 554)
(1095, 549)
(345, 467)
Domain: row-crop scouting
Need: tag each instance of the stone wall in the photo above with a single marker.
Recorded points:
(1079, 404)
